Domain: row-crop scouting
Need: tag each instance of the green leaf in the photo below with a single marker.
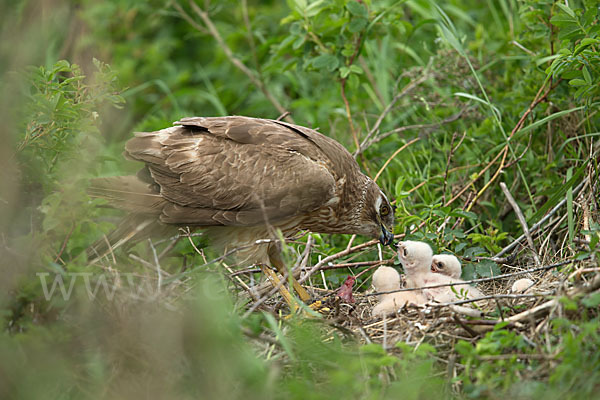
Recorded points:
(570, 32)
(298, 5)
(566, 9)
(549, 118)
(464, 214)
(357, 9)
(468, 272)
(587, 76)
(577, 82)
(357, 24)
(571, 74)
(460, 246)
(594, 241)
(327, 61)
(588, 41)
(488, 269)
(356, 69)
(298, 42)
(314, 8)
(344, 71)
(569, 304)
(474, 251)
(562, 21)
(591, 301)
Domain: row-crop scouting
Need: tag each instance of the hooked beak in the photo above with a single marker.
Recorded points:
(386, 238)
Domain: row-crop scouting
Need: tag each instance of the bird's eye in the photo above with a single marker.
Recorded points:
(405, 252)
(384, 210)
(440, 265)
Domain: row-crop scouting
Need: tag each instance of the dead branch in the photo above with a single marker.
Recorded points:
(407, 89)
(212, 29)
(536, 226)
(522, 221)
(435, 125)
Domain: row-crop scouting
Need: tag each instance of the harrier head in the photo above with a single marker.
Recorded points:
(376, 215)
(446, 264)
(415, 256)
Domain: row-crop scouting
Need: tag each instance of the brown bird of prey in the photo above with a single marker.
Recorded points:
(243, 178)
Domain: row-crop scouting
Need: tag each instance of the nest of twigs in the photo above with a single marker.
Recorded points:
(442, 325)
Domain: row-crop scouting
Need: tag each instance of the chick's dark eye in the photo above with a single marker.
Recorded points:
(440, 265)
(405, 252)
(384, 210)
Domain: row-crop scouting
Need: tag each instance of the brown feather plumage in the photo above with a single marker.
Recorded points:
(248, 173)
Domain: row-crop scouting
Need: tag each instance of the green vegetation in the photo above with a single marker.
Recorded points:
(441, 101)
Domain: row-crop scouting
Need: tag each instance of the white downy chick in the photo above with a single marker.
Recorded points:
(386, 279)
(392, 302)
(522, 285)
(446, 264)
(417, 257)
(447, 294)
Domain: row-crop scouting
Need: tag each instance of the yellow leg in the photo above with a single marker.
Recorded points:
(277, 262)
(287, 296)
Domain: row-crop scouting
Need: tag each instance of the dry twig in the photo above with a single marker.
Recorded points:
(522, 221)
(212, 29)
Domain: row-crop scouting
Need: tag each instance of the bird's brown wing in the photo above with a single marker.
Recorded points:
(234, 171)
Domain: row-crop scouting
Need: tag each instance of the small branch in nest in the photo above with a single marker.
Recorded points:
(466, 327)
(544, 308)
(534, 312)
(328, 267)
(494, 297)
(270, 340)
(240, 282)
(303, 262)
(358, 264)
(470, 312)
(522, 221)
(335, 256)
(498, 260)
(517, 356)
(264, 298)
(146, 264)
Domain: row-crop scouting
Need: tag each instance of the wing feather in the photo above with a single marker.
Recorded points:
(235, 171)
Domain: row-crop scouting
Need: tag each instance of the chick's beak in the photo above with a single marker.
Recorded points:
(386, 238)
